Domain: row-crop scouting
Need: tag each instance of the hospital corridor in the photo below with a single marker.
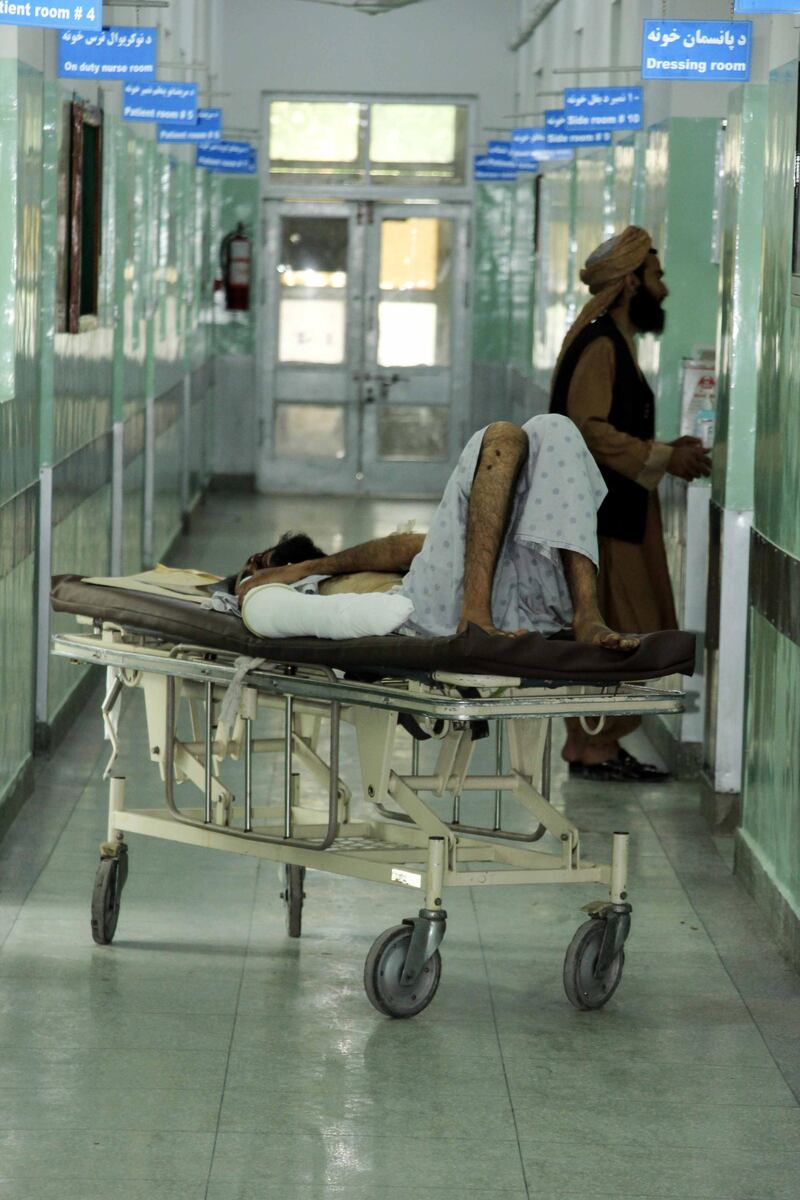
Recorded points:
(399, 619)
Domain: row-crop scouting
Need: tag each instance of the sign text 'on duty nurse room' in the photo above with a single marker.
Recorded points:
(710, 51)
(51, 16)
(123, 52)
(174, 102)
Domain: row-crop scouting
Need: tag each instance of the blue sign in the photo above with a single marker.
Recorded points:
(712, 51)
(604, 108)
(487, 167)
(176, 102)
(578, 137)
(555, 121)
(52, 16)
(499, 149)
(530, 146)
(527, 144)
(118, 53)
(234, 158)
(207, 129)
(767, 6)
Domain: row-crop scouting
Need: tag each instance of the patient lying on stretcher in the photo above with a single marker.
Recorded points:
(512, 548)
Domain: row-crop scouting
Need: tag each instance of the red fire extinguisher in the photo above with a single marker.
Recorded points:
(235, 259)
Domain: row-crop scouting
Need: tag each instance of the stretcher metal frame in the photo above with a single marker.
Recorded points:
(407, 843)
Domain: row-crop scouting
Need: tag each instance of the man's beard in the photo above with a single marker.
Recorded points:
(646, 312)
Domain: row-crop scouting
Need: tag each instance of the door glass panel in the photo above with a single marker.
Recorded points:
(411, 432)
(415, 292)
(316, 138)
(417, 141)
(313, 283)
(309, 431)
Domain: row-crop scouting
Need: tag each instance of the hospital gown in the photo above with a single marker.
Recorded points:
(555, 507)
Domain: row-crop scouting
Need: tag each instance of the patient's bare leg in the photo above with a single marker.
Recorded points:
(503, 453)
(587, 623)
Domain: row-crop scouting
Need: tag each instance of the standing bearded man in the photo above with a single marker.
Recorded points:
(599, 385)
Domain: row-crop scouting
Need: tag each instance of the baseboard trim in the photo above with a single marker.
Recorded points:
(230, 482)
(684, 760)
(15, 795)
(783, 920)
(721, 810)
(47, 735)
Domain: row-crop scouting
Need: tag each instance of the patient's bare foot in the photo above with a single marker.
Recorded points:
(595, 631)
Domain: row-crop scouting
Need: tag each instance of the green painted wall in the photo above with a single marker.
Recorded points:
(523, 275)
(494, 233)
(60, 393)
(235, 200)
(771, 802)
(742, 211)
(677, 210)
(555, 301)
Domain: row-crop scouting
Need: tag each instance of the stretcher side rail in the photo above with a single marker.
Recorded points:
(618, 699)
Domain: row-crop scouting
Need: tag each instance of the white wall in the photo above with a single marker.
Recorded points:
(437, 46)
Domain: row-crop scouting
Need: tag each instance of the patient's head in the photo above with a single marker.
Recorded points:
(291, 548)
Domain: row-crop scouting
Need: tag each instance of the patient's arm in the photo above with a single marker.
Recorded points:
(393, 553)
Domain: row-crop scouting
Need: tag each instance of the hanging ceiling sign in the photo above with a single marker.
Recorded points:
(555, 121)
(604, 108)
(207, 129)
(52, 16)
(767, 6)
(233, 158)
(487, 167)
(496, 148)
(530, 146)
(564, 138)
(527, 144)
(122, 52)
(172, 102)
(711, 51)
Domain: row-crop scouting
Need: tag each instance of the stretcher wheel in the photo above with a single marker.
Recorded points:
(108, 884)
(293, 897)
(382, 971)
(586, 988)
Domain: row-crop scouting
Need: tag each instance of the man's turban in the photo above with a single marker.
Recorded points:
(604, 274)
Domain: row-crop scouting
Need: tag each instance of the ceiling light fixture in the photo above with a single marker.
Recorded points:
(373, 8)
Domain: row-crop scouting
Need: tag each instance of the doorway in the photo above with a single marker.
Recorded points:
(364, 364)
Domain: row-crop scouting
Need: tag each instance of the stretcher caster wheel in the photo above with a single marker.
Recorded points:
(108, 884)
(293, 897)
(384, 968)
(585, 985)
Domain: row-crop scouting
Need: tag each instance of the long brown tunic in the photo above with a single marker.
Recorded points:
(634, 587)
(634, 590)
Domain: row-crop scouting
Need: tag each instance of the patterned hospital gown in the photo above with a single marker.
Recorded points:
(555, 507)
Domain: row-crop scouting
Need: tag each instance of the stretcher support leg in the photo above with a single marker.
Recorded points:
(209, 766)
(116, 802)
(430, 925)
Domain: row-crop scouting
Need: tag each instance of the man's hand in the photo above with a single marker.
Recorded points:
(290, 574)
(689, 459)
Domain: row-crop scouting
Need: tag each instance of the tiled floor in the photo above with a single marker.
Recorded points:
(205, 1055)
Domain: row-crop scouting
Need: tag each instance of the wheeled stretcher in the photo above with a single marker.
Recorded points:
(202, 671)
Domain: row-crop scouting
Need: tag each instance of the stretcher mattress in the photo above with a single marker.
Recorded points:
(531, 657)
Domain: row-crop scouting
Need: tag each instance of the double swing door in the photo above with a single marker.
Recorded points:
(363, 347)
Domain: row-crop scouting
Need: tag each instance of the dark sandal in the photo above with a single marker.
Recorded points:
(639, 771)
(610, 771)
